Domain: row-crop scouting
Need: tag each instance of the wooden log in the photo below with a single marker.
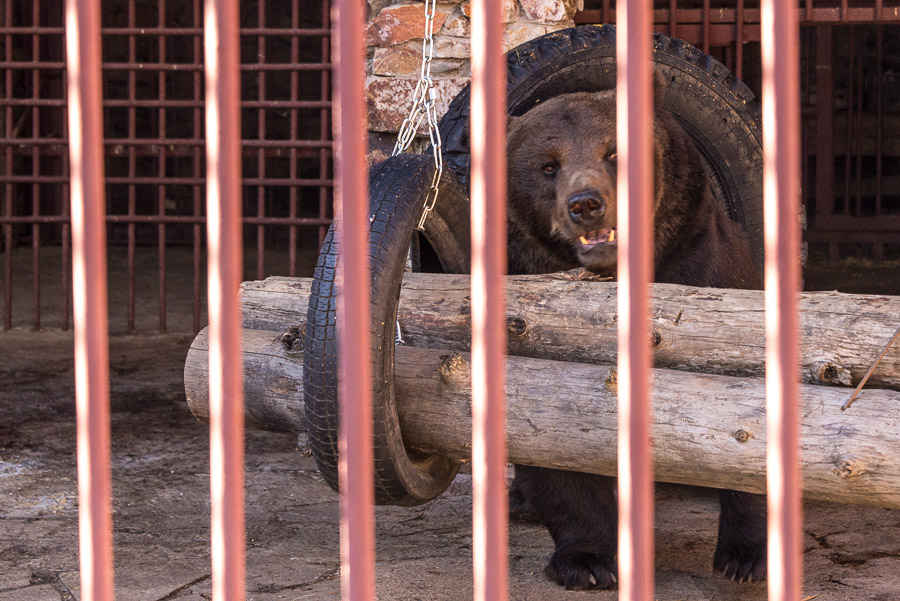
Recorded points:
(694, 329)
(708, 430)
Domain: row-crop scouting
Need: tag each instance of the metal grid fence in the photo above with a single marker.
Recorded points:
(154, 135)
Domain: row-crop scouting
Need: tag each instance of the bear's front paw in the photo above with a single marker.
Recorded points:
(582, 571)
(744, 562)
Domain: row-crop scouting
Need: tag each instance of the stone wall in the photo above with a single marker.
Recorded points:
(394, 37)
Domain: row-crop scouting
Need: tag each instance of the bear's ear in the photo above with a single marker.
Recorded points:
(659, 87)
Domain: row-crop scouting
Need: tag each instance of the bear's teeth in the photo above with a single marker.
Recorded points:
(612, 235)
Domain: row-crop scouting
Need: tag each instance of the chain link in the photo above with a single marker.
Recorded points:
(423, 108)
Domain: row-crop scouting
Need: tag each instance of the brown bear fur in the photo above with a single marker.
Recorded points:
(562, 210)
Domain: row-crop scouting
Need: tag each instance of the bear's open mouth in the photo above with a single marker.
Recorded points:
(591, 239)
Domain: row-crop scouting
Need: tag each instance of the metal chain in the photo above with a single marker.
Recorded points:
(423, 101)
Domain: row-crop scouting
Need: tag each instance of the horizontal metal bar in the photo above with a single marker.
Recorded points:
(818, 16)
(170, 142)
(152, 67)
(168, 31)
(169, 181)
(159, 219)
(871, 223)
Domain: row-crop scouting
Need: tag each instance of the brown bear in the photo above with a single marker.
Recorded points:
(562, 215)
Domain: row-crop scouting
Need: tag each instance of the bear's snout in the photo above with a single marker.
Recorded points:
(586, 207)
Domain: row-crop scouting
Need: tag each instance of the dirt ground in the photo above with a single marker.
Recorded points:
(161, 506)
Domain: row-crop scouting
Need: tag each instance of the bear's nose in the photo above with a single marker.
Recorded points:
(586, 206)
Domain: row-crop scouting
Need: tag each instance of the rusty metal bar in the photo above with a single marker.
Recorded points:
(8, 189)
(90, 302)
(706, 38)
(132, 172)
(354, 323)
(673, 18)
(781, 134)
(197, 189)
(223, 170)
(488, 196)
(824, 122)
(35, 173)
(860, 51)
(261, 134)
(850, 99)
(635, 270)
(834, 15)
(292, 168)
(879, 136)
(323, 126)
(739, 40)
(161, 172)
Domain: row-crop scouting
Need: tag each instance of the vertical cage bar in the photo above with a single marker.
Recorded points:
(36, 171)
(879, 115)
(8, 188)
(739, 40)
(261, 135)
(223, 189)
(197, 159)
(673, 20)
(161, 171)
(353, 319)
(132, 168)
(635, 265)
(66, 280)
(781, 134)
(292, 152)
(488, 196)
(323, 116)
(860, 62)
(850, 99)
(90, 302)
(706, 10)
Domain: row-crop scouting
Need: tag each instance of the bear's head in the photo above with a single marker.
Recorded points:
(562, 177)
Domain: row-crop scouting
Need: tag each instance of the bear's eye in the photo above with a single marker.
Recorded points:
(549, 169)
(612, 156)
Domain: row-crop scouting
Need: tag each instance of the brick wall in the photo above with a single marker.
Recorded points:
(394, 37)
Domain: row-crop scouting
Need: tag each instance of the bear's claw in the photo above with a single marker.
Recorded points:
(582, 571)
(741, 565)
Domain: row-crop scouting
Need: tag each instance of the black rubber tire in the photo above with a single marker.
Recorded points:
(397, 189)
(716, 109)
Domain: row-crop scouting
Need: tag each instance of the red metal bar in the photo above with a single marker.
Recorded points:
(706, 39)
(354, 322)
(261, 134)
(739, 40)
(323, 116)
(824, 123)
(8, 189)
(880, 116)
(132, 171)
(292, 154)
(850, 103)
(781, 135)
(197, 158)
(635, 270)
(35, 173)
(223, 209)
(860, 51)
(161, 172)
(673, 18)
(488, 197)
(90, 302)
